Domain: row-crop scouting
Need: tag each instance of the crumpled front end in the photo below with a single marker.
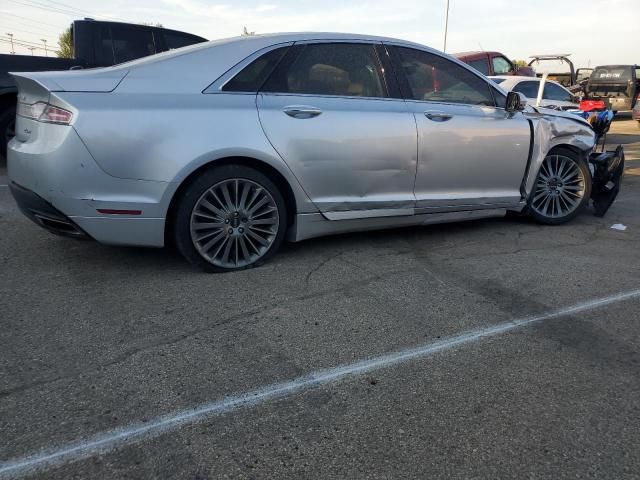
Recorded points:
(550, 129)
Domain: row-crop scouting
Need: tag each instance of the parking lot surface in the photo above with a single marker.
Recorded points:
(98, 340)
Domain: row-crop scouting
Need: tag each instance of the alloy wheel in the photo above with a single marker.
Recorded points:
(560, 187)
(234, 223)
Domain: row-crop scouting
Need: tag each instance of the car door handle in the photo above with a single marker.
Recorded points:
(438, 116)
(301, 111)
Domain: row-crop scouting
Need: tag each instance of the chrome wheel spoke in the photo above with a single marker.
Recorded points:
(559, 188)
(207, 225)
(234, 223)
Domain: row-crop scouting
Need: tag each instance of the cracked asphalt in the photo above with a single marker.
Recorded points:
(94, 338)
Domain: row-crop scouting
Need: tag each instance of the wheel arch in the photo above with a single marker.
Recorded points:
(263, 167)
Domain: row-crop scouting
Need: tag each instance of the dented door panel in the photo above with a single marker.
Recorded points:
(348, 153)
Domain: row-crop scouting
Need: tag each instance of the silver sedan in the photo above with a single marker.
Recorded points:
(224, 149)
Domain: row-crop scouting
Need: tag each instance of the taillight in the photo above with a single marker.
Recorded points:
(44, 112)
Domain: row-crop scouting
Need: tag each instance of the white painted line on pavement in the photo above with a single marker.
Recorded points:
(110, 440)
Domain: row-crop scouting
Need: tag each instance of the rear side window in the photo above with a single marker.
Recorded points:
(103, 48)
(555, 92)
(131, 43)
(251, 77)
(529, 89)
(481, 65)
(179, 40)
(344, 69)
(501, 65)
(436, 79)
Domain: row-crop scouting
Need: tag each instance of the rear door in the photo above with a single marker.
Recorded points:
(471, 153)
(329, 111)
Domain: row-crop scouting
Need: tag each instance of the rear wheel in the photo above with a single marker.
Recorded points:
(230, 218)
(562, 188)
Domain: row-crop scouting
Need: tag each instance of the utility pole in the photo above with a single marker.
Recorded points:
(446, 27)
(11, 38)
(46, 54)
(32, 49)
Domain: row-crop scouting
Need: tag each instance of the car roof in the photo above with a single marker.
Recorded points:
(517, 77)
(308, 36)
(616, 66)
(475, 53)
(509, 81)
(259, 41)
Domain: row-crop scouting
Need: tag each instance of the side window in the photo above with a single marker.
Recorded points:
(179, 40)
(131, 43)
(251, 77)
(529, 89)
(555, 92)
(481, 65)
(501, 65)
(103, 47)
(436, 79)
(345, 69)
(501, 99)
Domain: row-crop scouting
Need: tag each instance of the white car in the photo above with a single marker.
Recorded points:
(554, 96)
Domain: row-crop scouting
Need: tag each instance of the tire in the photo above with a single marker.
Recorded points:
(562, 188)
(7, 129)
(229, 218)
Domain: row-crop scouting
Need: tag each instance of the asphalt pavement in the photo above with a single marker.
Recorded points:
(469, 350)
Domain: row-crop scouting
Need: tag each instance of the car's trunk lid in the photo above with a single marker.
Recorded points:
(95, 80)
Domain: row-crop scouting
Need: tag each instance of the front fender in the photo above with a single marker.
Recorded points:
(550, 130)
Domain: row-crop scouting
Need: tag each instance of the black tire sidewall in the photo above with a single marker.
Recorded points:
(191, 194)
(585, 199)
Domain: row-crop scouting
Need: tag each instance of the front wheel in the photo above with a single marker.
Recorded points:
(562, 188)
(230, 218)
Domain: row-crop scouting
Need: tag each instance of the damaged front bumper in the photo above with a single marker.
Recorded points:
(607, 169)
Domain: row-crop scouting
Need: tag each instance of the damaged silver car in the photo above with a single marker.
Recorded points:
(224, 149)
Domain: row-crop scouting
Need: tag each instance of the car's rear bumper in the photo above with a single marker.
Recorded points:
(43, 213)
(58, 185)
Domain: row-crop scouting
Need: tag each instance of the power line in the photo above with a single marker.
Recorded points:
(30, 19)
(29, 32)
(27, 25)
(78, 9)
(50, 8)
(21, 44)
(46, 8)
(15, 40)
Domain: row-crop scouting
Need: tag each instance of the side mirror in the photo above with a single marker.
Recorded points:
(516, 102)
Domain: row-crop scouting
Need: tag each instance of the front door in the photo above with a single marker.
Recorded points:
(470, 151)
(327, 111)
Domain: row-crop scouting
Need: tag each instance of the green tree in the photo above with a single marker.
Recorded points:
(65, 44)
(246, 33)
(520, 63)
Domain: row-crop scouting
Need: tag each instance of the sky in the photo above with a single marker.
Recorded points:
(595, 32)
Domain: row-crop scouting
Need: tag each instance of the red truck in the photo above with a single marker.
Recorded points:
(493, 63)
